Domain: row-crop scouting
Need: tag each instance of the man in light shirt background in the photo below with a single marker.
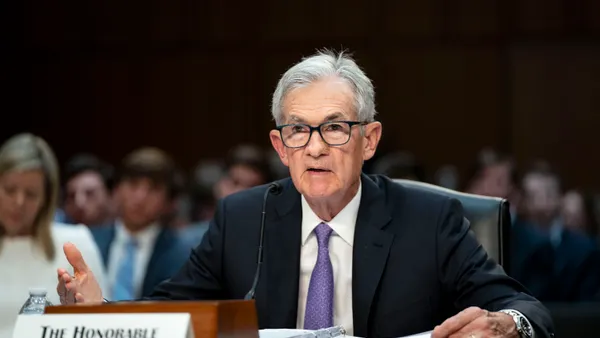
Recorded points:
(139, 251)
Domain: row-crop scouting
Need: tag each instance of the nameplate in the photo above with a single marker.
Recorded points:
(109, 325)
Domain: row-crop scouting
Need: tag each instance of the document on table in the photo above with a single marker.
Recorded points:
(290, 333)
(294, 333)
(420, 335)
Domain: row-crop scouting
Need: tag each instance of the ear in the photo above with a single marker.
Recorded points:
(278, 145)
(371, 139)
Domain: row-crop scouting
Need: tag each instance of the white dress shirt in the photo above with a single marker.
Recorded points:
(340, 253)
(146, 239)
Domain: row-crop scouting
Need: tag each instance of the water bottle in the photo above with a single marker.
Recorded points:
(36, 303)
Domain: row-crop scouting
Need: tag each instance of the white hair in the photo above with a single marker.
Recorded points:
(322, 65)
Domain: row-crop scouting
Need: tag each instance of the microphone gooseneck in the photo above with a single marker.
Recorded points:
(274, 188)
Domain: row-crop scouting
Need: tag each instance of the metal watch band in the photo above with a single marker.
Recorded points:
(524, 328)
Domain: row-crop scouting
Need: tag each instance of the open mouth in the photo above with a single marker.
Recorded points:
(318, 170)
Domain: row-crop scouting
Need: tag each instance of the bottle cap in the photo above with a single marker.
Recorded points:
(40, 292)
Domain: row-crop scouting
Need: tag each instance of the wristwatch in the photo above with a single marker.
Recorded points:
(524, 328)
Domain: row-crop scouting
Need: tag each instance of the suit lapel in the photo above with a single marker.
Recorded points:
(104, 237)
(154, 267)
(282, 257)
(370, 254)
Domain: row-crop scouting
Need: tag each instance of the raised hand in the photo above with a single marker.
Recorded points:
(82, 287)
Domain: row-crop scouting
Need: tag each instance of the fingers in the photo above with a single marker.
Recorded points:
(68, 290)
(75, 258)
(79, 298)
(64, 286)
(455, 324)
(60, 287)
(61, 272)
(71, 284)
(478, 328)
(490, 325)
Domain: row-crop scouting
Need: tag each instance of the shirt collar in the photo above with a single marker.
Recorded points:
(342, 224)
(144, 237)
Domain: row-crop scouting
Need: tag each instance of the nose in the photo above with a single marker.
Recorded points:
(79, 199)
(316, 145)
(20, 198)
(140, 193)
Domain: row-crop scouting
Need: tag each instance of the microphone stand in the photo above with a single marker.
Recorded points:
(274, 188)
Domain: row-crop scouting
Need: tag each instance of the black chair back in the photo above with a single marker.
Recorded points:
(489, 218)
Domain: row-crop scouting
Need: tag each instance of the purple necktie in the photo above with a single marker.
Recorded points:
(319, 302)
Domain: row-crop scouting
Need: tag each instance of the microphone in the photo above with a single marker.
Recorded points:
(274, 188)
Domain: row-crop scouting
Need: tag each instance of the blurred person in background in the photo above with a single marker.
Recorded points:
(576, 264)
(531, 254)
(202, 200)
(30, 245)
(203, 203)
(495, 174)
(139, 250)
(88, 183)
(246, 167)
(277, 169)
(542, 199)
(177, 215)
(399, 165)
(447, 176)
(578, 211)
(203, 196)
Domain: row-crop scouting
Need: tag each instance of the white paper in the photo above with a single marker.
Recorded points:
(280, 333)
(159, 325)
(420, 335)
(285, 333)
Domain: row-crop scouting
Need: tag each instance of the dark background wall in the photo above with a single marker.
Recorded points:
(195, 77)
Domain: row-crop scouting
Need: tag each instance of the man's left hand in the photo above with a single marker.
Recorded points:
(477, 323)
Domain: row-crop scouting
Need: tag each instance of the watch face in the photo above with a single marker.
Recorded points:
(527, 329)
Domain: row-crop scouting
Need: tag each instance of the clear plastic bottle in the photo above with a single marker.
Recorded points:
(36, 303)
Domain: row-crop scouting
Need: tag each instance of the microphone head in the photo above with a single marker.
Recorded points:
(275, 188)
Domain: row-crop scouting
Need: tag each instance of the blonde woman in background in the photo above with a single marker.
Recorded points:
(30, 244)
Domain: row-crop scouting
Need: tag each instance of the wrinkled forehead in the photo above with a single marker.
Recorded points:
(318, 102)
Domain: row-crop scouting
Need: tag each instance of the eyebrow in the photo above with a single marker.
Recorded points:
(331, 117)
(334, 116)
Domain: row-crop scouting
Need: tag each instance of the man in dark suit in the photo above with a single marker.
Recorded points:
(575, 274)
(343, 248)
(531, 260)
(138, 250)
(531, 254)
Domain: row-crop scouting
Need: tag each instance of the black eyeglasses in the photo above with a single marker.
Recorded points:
(334, 133)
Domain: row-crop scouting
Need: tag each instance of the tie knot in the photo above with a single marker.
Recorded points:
(132, 242)
(323, 231)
